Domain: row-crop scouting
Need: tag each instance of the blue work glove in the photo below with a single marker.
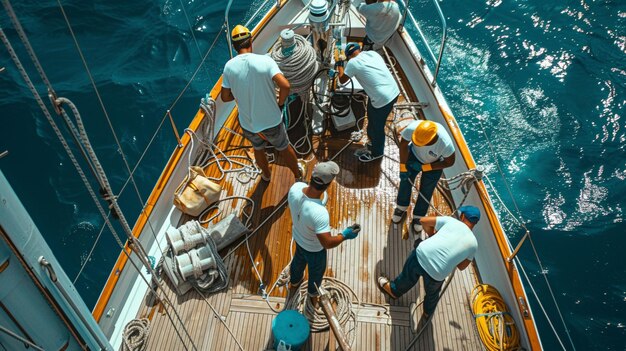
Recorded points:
(351, 232)
(332, 73)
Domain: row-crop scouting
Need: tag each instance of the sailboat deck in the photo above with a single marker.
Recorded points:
(363, 193)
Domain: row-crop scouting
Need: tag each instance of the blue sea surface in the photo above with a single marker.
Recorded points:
(538, 88)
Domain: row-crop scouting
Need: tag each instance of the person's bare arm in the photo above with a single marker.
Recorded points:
(445, 163)
(428, 225)
(461, 266)
(283, 86)
(227, 95)
(343, 78)
(329, 241)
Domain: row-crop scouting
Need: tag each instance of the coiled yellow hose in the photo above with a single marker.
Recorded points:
(495, 325)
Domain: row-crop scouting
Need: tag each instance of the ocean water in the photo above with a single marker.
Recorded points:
(538, 87)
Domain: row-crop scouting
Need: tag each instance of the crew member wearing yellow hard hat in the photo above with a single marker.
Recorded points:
(425, 147)
(250, 79)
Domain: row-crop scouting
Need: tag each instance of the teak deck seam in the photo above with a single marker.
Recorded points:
(378, 250)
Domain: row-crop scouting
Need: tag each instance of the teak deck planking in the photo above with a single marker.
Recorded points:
(362, 193)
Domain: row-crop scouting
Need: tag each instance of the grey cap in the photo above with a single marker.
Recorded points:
(325, 172)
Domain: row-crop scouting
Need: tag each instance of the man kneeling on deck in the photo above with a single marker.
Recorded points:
(311, 228)
(451, 244)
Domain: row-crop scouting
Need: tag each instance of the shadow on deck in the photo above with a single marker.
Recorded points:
(362, 193)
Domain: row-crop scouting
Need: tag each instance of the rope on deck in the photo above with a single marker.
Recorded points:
(299, 66)
(340, 293)
(135, 337)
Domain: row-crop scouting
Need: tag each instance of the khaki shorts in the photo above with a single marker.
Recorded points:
(275, 136)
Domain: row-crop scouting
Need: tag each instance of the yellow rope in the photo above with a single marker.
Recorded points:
(495, 325)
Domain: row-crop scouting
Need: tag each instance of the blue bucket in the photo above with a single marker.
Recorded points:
(292, 328)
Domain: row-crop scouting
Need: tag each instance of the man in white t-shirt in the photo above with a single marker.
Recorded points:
(382, 20)
(249, 79)
(371, 71)
(425, 147)
(451, 245)
(311, 228)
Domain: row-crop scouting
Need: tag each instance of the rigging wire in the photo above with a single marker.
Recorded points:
(157, 130)
(508, 188)
(522, 222)
(219, 316)
(74, 132)
(93, 247)
(74, 161)
(191, 31)
(532, 288)
(165, 115)
(136, 244)
(108, 119)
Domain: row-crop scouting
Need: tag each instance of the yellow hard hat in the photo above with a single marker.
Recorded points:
(425, 132)
(240, 33)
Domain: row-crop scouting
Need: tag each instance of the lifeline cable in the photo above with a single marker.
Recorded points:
(522, 224)
(79, 170)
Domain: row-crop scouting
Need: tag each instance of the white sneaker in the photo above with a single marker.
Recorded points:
(416, 226)
(398, 215)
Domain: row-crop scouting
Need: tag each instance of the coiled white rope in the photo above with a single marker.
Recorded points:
(340, 292)
(135, 337)
(300, 67)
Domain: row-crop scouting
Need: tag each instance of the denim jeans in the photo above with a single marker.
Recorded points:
(317, 266)
(409, 276)
(427, 187)
(376, 120)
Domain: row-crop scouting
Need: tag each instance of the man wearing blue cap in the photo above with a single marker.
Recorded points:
(451, 244)
(371, 71)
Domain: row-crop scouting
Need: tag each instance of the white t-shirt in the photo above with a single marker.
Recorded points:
(382, 20)
(370, 70)
(249, 77)
(441, 149)
(309, 218)
(452, 244)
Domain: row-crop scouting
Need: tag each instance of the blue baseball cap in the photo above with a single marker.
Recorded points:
(351, 48)
(471, 213)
